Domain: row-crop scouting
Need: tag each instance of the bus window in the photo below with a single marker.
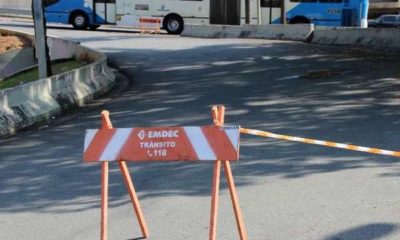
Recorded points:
(331, 1)
(47, 3)
(142, 7)
(306, 1)
(268, 3)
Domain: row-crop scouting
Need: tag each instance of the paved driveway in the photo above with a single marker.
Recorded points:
(286, 190)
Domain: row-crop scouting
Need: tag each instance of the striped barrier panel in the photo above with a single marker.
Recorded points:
(209, 143)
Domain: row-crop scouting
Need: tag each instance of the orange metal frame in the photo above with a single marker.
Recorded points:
(144, 29)
(218, 115)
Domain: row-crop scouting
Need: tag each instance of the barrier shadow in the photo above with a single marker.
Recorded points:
(371, 231)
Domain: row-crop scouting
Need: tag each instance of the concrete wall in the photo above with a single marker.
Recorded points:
(58, 48)
(20, 59)
(16, 8)
(16, 4)
(299, 32)
(15, 61)
(379, 38)
(61, 49)
(32, 102)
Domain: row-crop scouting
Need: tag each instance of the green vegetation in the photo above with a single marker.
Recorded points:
(33, 73)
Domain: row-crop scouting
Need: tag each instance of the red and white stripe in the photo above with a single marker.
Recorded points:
(208, 143)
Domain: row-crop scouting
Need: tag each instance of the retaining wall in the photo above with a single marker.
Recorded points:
(32, 102)
(297, 32)
(15, 61)
(378, 38)
(58, 48)
(388, 38)
(19, 60)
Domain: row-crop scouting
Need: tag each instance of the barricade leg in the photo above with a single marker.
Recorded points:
(105, 124)
(235, 200)
(135, 201)
(141, 25)
(214, 200)
(218, 115)
(104, 200)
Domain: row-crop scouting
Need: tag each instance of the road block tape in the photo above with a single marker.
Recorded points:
(320, 142)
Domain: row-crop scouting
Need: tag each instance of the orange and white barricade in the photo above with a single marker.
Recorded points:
(149, 25)
(217, 143)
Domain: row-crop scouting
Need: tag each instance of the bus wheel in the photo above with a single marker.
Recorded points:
(173, 24)
(79, 21)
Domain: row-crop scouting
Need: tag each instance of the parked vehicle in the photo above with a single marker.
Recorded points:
(386, 20)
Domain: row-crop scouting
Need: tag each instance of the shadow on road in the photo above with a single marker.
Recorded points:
(262, 87)
(372, 231)
(139, 238)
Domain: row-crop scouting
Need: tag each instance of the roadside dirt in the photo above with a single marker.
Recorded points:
(8, 43)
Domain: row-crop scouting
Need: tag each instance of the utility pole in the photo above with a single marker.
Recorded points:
(247, 7)
(270, 11)
(42, 50)
(283, 12)
(258, 12)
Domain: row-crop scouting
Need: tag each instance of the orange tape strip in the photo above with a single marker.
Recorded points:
(320, 142)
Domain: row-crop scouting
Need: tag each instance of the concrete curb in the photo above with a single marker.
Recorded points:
(296, 32)
(37, 101)
(380, 38)
(377, 38)
(16, 13)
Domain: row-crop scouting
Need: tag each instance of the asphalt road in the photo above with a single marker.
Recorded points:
(286, 190)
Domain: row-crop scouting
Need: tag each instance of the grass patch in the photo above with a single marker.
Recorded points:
(33, 73)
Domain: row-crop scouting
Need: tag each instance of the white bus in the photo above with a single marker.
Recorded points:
(173, 14)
